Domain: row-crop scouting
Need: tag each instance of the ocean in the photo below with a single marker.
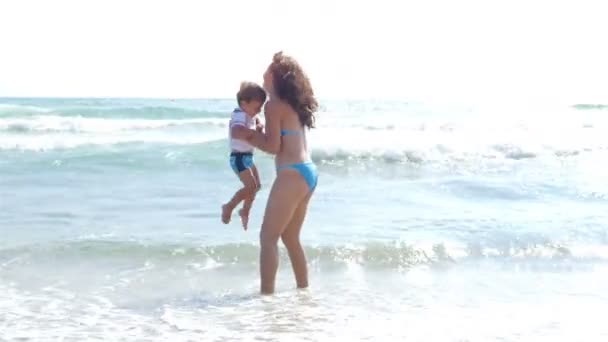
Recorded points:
(431, 222)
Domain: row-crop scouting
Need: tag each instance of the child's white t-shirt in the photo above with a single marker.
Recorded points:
(240, 118)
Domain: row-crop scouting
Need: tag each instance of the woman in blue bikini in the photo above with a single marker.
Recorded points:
(289, 112)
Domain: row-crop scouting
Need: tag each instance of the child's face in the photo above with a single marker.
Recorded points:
(252, 107)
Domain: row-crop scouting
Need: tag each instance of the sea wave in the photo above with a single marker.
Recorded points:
(341, 138)
(124, 140)
(373, 254)
(58, 124)
(406, 141)
(591, 106)
(7, 109)
(497, 155)
(90, 109)
(52, 132)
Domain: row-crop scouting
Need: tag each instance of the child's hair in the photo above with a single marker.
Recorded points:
(250, 91)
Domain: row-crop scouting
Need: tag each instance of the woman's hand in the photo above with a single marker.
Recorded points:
(259, 127)
(268, 140)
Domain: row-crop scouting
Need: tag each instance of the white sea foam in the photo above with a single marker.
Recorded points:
(388, 136)
(58, 124)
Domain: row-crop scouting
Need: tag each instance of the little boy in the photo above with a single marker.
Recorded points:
(250, 98)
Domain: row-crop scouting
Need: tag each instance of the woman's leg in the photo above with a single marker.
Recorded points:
(286, 194)
(291, 239)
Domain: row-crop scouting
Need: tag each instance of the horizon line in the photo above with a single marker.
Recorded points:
(341, 98)
(217, 98)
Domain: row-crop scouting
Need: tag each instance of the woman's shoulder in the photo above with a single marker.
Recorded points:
(275, 107)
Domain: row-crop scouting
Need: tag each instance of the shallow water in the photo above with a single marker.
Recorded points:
(434, 223)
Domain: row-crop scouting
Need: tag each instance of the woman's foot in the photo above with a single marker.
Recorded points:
(226, 213)
(244, 218)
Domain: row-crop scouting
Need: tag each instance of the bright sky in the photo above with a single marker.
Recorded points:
(446, 50)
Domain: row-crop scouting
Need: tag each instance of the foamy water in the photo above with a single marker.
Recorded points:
(430, 223)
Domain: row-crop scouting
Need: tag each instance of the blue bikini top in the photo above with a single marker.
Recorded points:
(289, 132)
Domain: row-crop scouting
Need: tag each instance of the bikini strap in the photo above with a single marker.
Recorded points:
(289, 132)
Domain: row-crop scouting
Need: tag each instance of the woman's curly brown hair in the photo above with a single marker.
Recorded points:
(291, 84)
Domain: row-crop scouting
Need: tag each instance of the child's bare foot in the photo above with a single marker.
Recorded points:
(226, 213)
(244, 218)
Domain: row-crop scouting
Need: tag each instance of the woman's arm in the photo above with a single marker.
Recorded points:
(268, 141)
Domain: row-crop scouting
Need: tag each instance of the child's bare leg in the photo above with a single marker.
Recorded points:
(248, 202)
(245, 192)
(256, 175)
(244, 212)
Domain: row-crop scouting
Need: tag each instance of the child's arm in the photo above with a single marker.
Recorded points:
(237, 125)
(241, 132)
